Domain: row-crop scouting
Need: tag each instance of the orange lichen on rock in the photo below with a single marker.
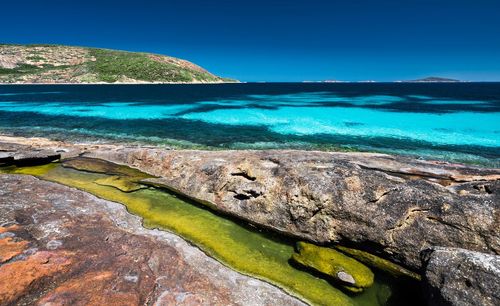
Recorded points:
(18, 277)
(11, 228)
(82, 291)
(9, 248)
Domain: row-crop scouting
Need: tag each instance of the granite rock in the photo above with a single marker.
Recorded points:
(61, 246)
(390, 206)
(460, 277)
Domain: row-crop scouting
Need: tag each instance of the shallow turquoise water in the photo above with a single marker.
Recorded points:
(457, 122)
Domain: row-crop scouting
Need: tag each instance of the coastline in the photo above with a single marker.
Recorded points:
(358, 199)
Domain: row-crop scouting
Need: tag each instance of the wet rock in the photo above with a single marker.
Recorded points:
(71, 248)
(460, 277)
(352, 274)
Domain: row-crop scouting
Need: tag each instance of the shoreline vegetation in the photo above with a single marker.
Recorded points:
(456, 204)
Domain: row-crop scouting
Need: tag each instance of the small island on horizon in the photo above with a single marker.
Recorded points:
(432, 79)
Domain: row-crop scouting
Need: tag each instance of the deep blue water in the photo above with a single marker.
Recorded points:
(455, 122)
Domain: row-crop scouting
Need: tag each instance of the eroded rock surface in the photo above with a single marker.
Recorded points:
(392, 206)
(459, 277)
(61, 246)
(25, 156)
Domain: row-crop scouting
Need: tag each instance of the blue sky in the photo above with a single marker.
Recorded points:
(278, 40)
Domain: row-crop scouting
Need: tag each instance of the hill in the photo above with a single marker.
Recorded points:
(65, 64)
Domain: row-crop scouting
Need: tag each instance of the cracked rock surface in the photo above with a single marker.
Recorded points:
(392, 206)
(61, 246)
(459, 277)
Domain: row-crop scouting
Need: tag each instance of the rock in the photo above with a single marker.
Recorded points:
(387, 205)
(391, 206)
(378, 263)
(20, 155)
(352, 274)
(6, 158)
(67, 247)
(18, 277)
(460, 277)
(10, 248)
(33, 158)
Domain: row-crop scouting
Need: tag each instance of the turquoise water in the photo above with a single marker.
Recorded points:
(457, 122)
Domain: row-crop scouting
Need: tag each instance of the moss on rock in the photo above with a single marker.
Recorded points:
(122, 183)
(379, 263)
(103, 166)
(352, 274)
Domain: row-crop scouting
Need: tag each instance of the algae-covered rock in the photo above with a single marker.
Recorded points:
(352, 274)
(32, 170)
(379, 263)
(103, 166)
(122, 183)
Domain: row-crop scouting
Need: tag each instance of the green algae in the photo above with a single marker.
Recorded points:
(121, 183)
(105, 167)
(379, 263)
(353, 275)
(33, 170)
(237, 245)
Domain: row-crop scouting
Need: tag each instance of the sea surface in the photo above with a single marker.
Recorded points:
(457, 122)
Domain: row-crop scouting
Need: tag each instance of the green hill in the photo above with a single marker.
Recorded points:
(65, 64)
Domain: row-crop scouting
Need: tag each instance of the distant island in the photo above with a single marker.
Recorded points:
(432, 80)
(22, 64)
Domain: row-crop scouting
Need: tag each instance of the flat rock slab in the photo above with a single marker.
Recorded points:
(62, 246)
(459, 277)
(21, 155)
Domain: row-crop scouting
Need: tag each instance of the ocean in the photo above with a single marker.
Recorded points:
(457, 122)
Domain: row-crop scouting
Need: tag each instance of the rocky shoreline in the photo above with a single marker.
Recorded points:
(61, 246)
(408, 211)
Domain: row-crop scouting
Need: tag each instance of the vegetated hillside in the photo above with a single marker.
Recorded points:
(64, 64)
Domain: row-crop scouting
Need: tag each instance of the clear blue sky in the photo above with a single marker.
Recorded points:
(279, 40)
